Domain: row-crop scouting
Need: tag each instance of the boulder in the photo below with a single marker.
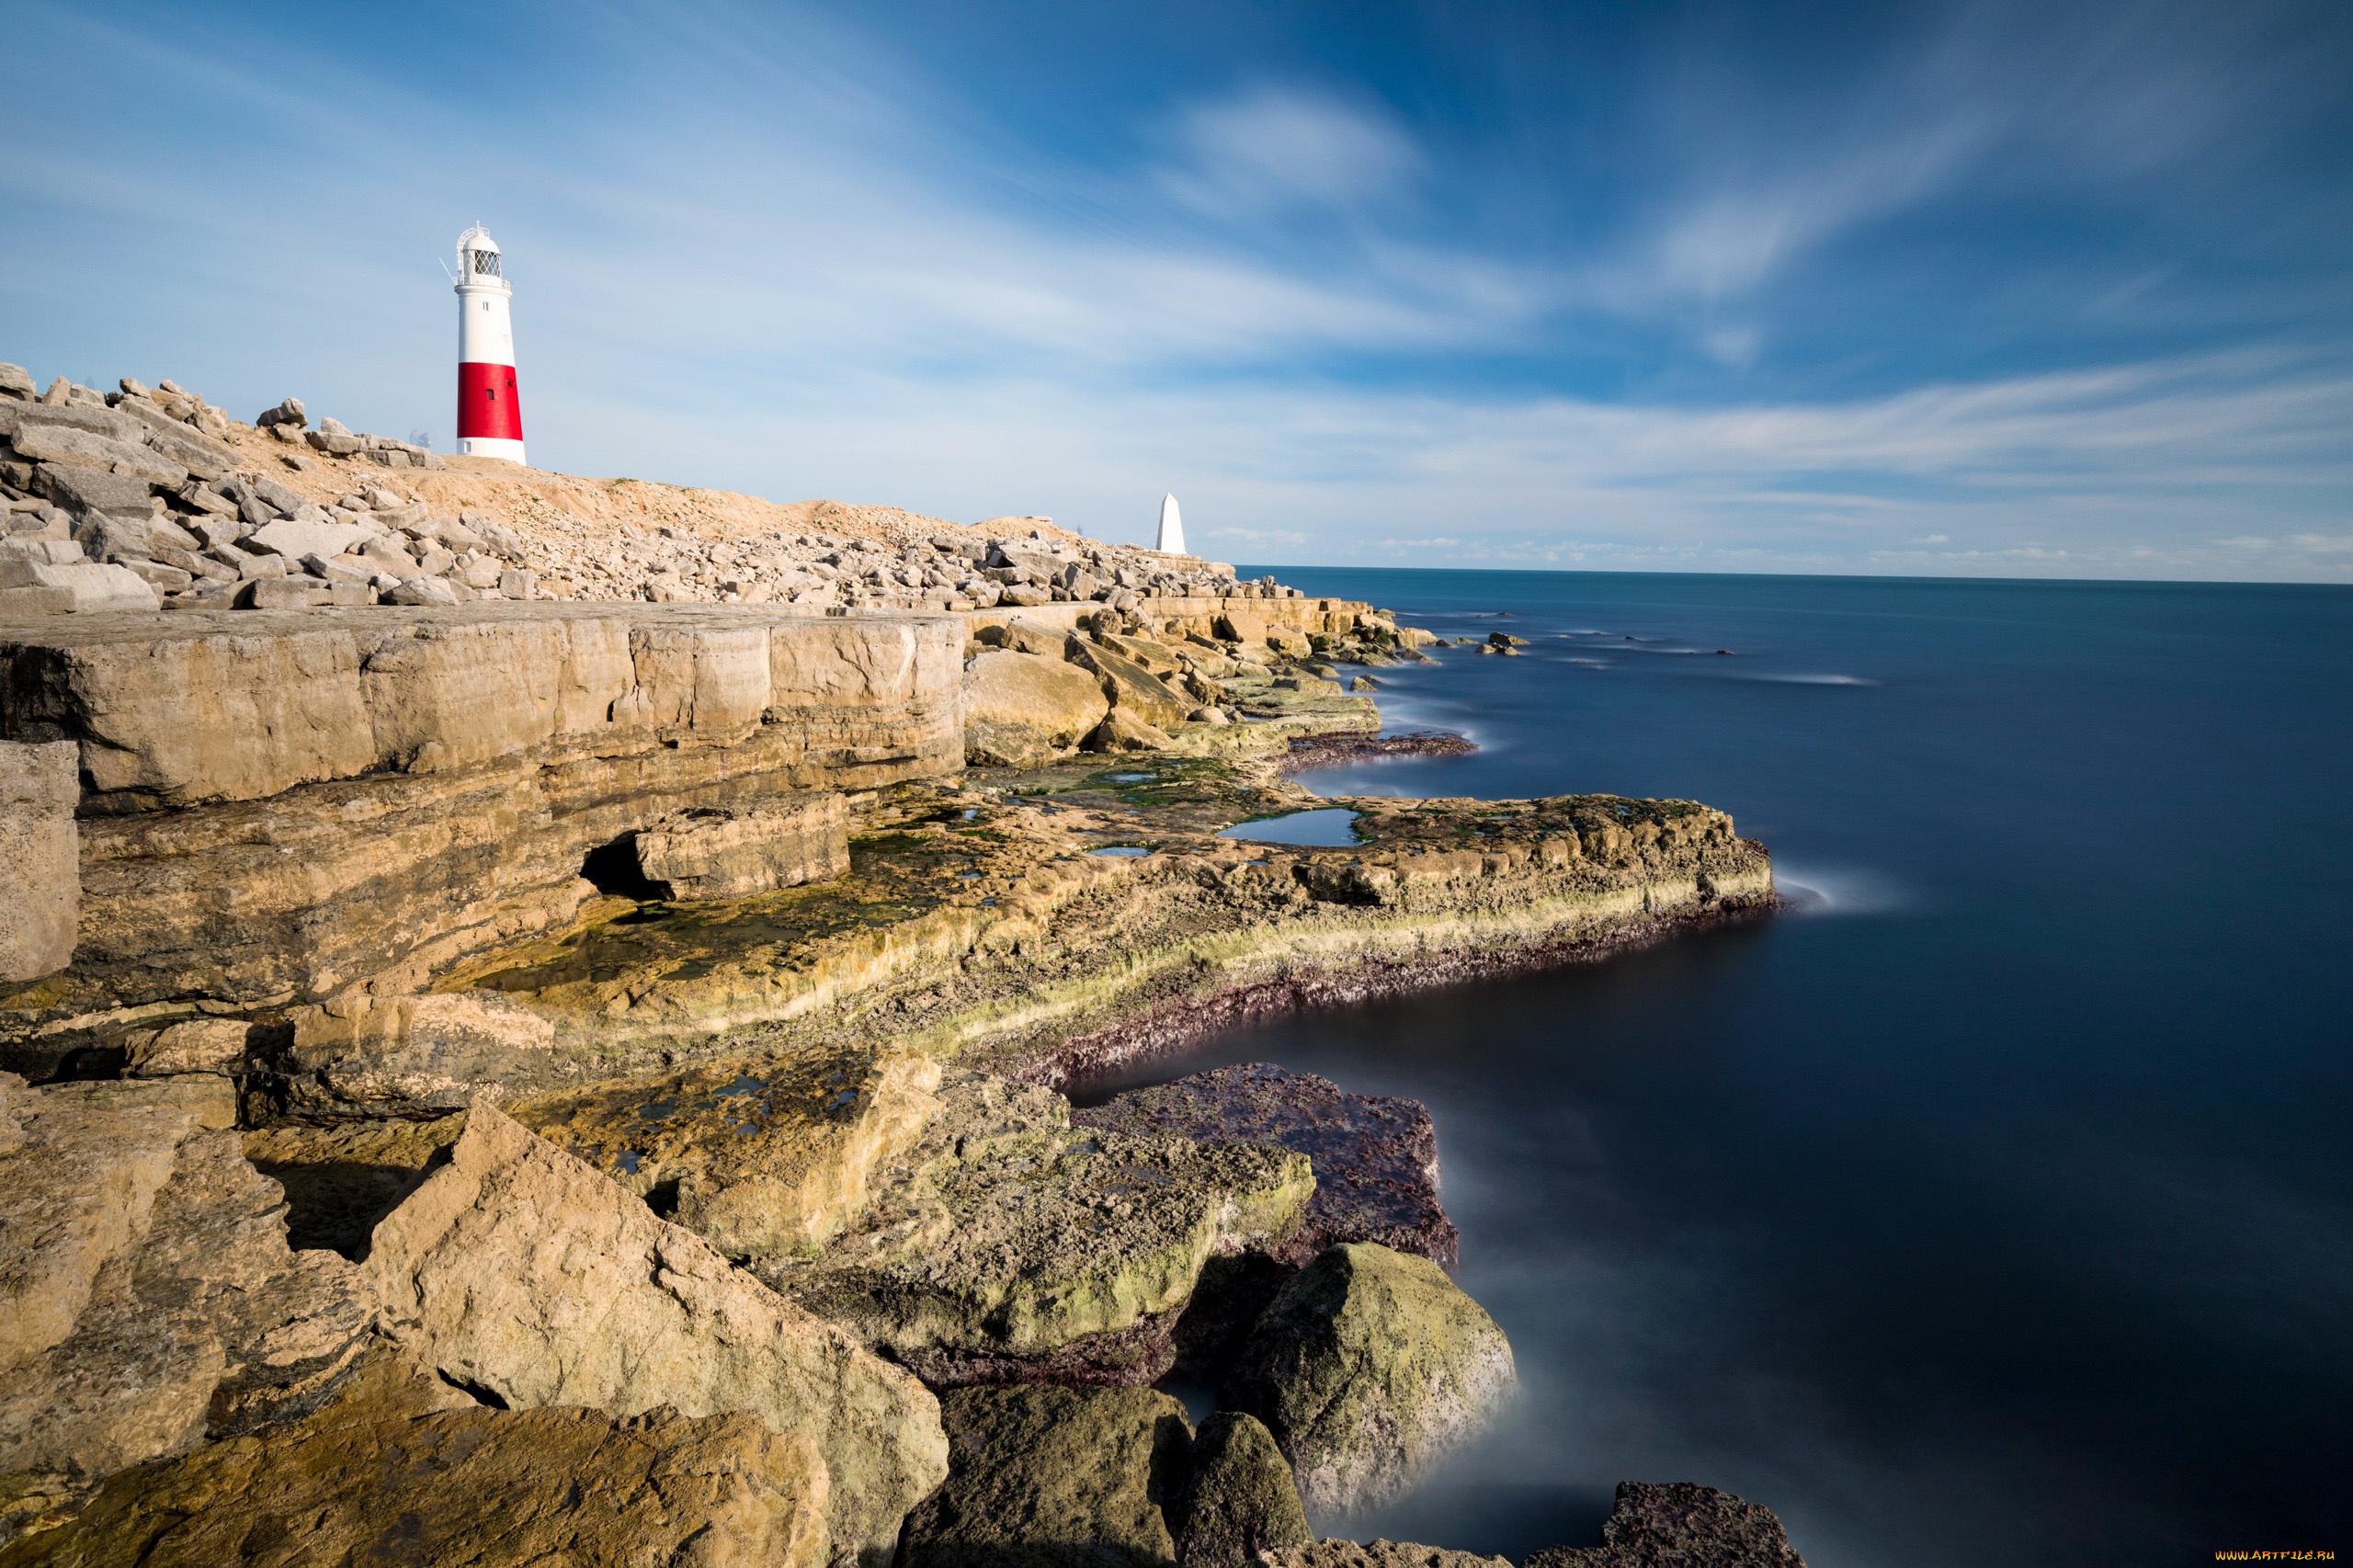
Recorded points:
(403, 1469)
(85, 493)
(1368, 1368)
(1024, 709)
(1240, 1499)
(148, 1298)
(79, 449)
(1375, 1158)
(1679, 1525)
(40, 785)
(1013, 1248)
(408, 1053)
(89, 586)
(1122, 730)
(296, 540)
(767, 1158)
(1131, 685)
(18, 383)
(520, 1270)
(715, 853)
(1053, 1478)
(423, 590)
(289, 412)
(215, 1046)
(1024, 636)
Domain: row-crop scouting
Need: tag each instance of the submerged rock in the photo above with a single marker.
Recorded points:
(1053, 1478)
(1017, 1248)
(148, 1298)
(1368, 1367)
(1680, 1525)
(1240, 1499)
(518, 1271)
(400, 1468)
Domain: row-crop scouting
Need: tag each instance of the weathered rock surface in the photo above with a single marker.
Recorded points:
(765, 1159)
(1368, 1367)
(282, 809)
(1240, 1499)
(1375, 1158)
(40, 786)
(343, 1178)
(148, 1298)
(433, 1051)
(1338, 1554)
(1054, 1478)
(1023, 707)
(399, 1470)
(1019, 1249)
(1680, 1525)
(519, 1270)
(711, 852)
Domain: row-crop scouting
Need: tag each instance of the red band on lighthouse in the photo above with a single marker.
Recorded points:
(487, 406)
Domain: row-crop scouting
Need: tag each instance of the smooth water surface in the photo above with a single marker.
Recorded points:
(1995, 1207)
(1333, 827)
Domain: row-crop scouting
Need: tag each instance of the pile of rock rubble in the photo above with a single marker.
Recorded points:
(145, 499)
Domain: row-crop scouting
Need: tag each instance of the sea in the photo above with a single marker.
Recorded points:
(1990, 1205)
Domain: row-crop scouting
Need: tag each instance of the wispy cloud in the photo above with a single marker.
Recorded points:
(768, 250)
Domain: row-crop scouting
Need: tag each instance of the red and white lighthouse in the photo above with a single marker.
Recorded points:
(490, 417)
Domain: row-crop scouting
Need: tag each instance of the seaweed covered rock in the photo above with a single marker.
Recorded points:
(1240, 1499)
(1680, 1525)
(1368, 1367)
(402, 1468)
(1053, 1478)
(761, 1158)
(1375, 1158)
(147, 1300)
(519, 1270)
(1018, 1248)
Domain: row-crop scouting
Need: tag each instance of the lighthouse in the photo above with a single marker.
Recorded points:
(1172, 528)
(490, 419)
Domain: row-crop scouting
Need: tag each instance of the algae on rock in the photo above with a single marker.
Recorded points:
(1018, 1248)
(1369, 1366)
(764, 1158)
(1053, 1478)
(1240, 1499)
(403, 1469)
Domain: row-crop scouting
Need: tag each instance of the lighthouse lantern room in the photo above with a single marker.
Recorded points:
(490, 417)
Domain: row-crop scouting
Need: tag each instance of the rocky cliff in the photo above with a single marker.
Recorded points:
(622, 1033)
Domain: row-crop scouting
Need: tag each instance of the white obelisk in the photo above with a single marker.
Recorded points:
(1172, 528)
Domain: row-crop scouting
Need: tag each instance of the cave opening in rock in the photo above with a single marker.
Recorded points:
(612, 870)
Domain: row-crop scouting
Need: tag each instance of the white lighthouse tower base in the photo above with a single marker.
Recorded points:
(490, 447)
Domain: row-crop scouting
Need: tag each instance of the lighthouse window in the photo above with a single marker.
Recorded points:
(485, 261)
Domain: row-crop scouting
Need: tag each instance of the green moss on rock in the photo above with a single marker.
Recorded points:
(1368, 1367)
(1053, 1478)
(1241, 1500)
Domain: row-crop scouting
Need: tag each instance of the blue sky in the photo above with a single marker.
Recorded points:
(1980, 289)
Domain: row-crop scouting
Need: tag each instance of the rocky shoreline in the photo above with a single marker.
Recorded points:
(583, 1077)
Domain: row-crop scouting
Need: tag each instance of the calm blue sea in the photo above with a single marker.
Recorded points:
(1995, 1207)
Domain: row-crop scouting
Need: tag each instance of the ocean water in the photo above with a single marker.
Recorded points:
(1993, 1206)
